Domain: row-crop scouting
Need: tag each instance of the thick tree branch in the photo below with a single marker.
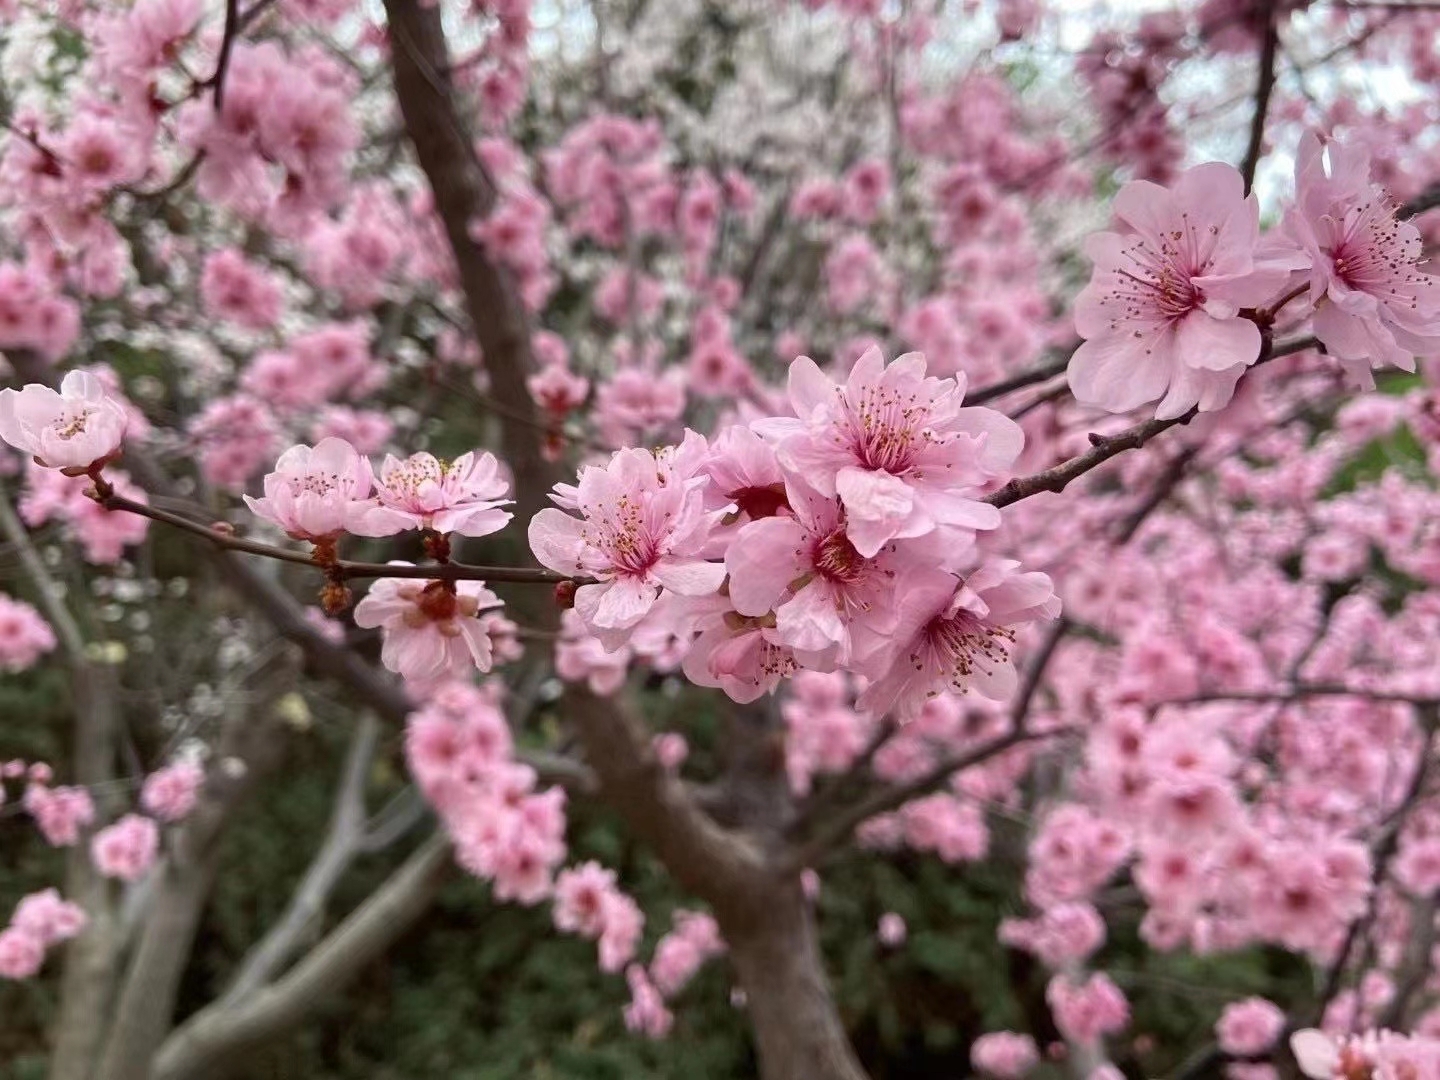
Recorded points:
(464, 194)
(337, 851)
(213, 1040)
(92, 961)
(145, 1010)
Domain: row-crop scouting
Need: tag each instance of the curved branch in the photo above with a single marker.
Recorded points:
(337, 852)
(211, 1039)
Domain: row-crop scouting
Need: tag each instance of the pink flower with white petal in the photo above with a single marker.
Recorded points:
(895, 447)
(422, 492)
(430, 630)
(642, 528)
(78, 428)
(1161, 317)
(957, 637)
(1374, 305)
(316, 494)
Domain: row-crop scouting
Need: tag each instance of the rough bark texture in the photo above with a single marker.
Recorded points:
(759, 904)
(798, 1031)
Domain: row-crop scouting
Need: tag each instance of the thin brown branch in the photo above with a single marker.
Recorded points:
(1105, 447)
(1264, 85)
(520, 575)
(837, 830)
(1043, 373)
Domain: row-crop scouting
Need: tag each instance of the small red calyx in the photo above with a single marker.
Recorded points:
(438, 601)
(565, 595)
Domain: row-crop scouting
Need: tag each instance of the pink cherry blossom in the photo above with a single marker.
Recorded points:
(957, 636)
(24, 635)
(60, 813)
(430, 630)
(824, 593)
(580, 896)
(1374, 305)
(48, 917)
(639, 531)
(462, 496)
(1004, 1055)
(126, 849)
(895, 447)
(315, 494)
(170, 793)
(235, 289)
(78, 428)
(1161, 317)
(21, 953)
(1086, 1011)
(646, 1013)
(1249, 1027)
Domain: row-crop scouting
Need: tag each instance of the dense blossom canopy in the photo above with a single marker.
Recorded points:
(961, 467)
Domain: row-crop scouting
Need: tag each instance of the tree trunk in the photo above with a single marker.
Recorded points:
(92, 960)
(798, 1030)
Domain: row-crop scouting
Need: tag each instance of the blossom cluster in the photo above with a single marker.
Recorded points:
(1184, 290)
(841, 537)
(460, 752)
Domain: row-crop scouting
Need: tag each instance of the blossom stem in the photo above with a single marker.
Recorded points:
(341, 569)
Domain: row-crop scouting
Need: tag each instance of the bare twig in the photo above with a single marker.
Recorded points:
(837, 830)
(1264, 85)
(1043, 373)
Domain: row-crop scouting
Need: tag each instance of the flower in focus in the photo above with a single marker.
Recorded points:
(897, 449)
(1161, 317)
(77, 429)
(1374, 306)
(958, 637)
(462, 496)
(642, 528)
(315, 493)
(430, 629)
